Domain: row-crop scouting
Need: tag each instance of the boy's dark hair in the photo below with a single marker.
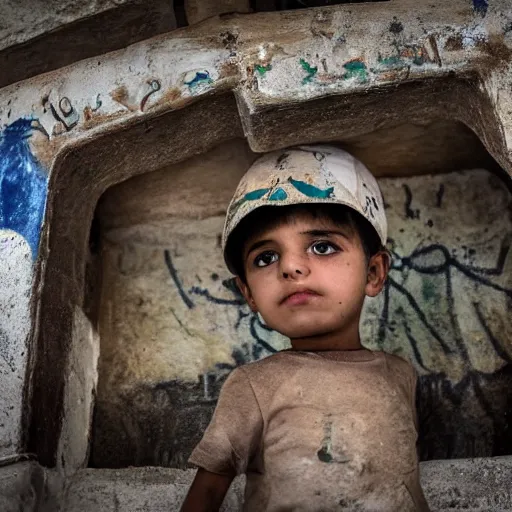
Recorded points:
(268, 217)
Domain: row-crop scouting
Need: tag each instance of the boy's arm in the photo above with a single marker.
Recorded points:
(207, 492)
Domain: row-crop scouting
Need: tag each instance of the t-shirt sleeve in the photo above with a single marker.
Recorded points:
(233, 435)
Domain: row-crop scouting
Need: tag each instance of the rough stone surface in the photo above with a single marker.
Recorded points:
(80, 390)
(22, 487)
(473, 484)
(38, 35)
(15, 284)
(481, 485)
(136, 490)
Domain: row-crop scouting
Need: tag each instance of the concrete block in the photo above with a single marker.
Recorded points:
(136, 490)
(480, 484)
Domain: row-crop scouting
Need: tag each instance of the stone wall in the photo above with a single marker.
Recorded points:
(173, 324)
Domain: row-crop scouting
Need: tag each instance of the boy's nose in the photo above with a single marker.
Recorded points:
(294, 268)
(286, 275)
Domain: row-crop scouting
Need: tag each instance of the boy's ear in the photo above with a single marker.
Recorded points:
(378, 268)
(246, 292)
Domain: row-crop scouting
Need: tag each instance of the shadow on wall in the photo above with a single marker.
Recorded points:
(173, 324)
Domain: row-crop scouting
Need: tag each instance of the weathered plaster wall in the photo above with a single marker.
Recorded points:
(37, 36)
(15, 287)
(172, 323)
(23, 187)
(327, 74)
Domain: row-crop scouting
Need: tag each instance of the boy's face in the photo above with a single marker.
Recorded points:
(308, 278)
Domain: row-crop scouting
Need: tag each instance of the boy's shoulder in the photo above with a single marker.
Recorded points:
(402, 371)
(398, 362)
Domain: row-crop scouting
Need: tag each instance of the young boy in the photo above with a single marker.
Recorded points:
(326, 425)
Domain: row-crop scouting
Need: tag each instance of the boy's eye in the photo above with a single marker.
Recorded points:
(323, 248)
(265, 258)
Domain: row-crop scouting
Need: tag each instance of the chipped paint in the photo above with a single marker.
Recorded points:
(356, 68)
(198, 79)
(154, 87)
(255, 194)
(195, 62)
(310, 70)
(278, 195)
(22, 183)
(262, 69)
(405, 55)
(311, 190)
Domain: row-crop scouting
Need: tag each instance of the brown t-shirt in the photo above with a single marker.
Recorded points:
(318, 431)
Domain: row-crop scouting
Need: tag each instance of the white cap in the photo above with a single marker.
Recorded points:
(307, 174)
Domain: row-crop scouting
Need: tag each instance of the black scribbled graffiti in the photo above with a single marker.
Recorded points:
(439, 196)
(252, 349)
(464, 418)
(457, 419)
(435, 259)
(409, 212)
(177, 282)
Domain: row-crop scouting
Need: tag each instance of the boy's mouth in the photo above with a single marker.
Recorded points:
(299, 297)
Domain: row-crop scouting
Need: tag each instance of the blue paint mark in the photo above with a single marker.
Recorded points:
(199, 79)
(256, 194)
(23, 184)
(278, 195)
(480, 6)
(311, 190)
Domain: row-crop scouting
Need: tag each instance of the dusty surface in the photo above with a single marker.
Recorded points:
(37, 36)
(481, 485)
(141, 490)
(15, 284)
(473, 484)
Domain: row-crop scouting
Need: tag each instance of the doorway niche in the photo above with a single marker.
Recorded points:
(172, 324)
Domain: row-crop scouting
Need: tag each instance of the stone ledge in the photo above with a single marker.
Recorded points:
(146, 489)
(464, 484)
(483, 484)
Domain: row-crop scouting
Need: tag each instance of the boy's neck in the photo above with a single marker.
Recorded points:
(329, 341)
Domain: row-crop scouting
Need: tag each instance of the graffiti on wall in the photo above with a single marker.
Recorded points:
(252, 349)
(441, 309)
(23, 183)
(177, 323)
